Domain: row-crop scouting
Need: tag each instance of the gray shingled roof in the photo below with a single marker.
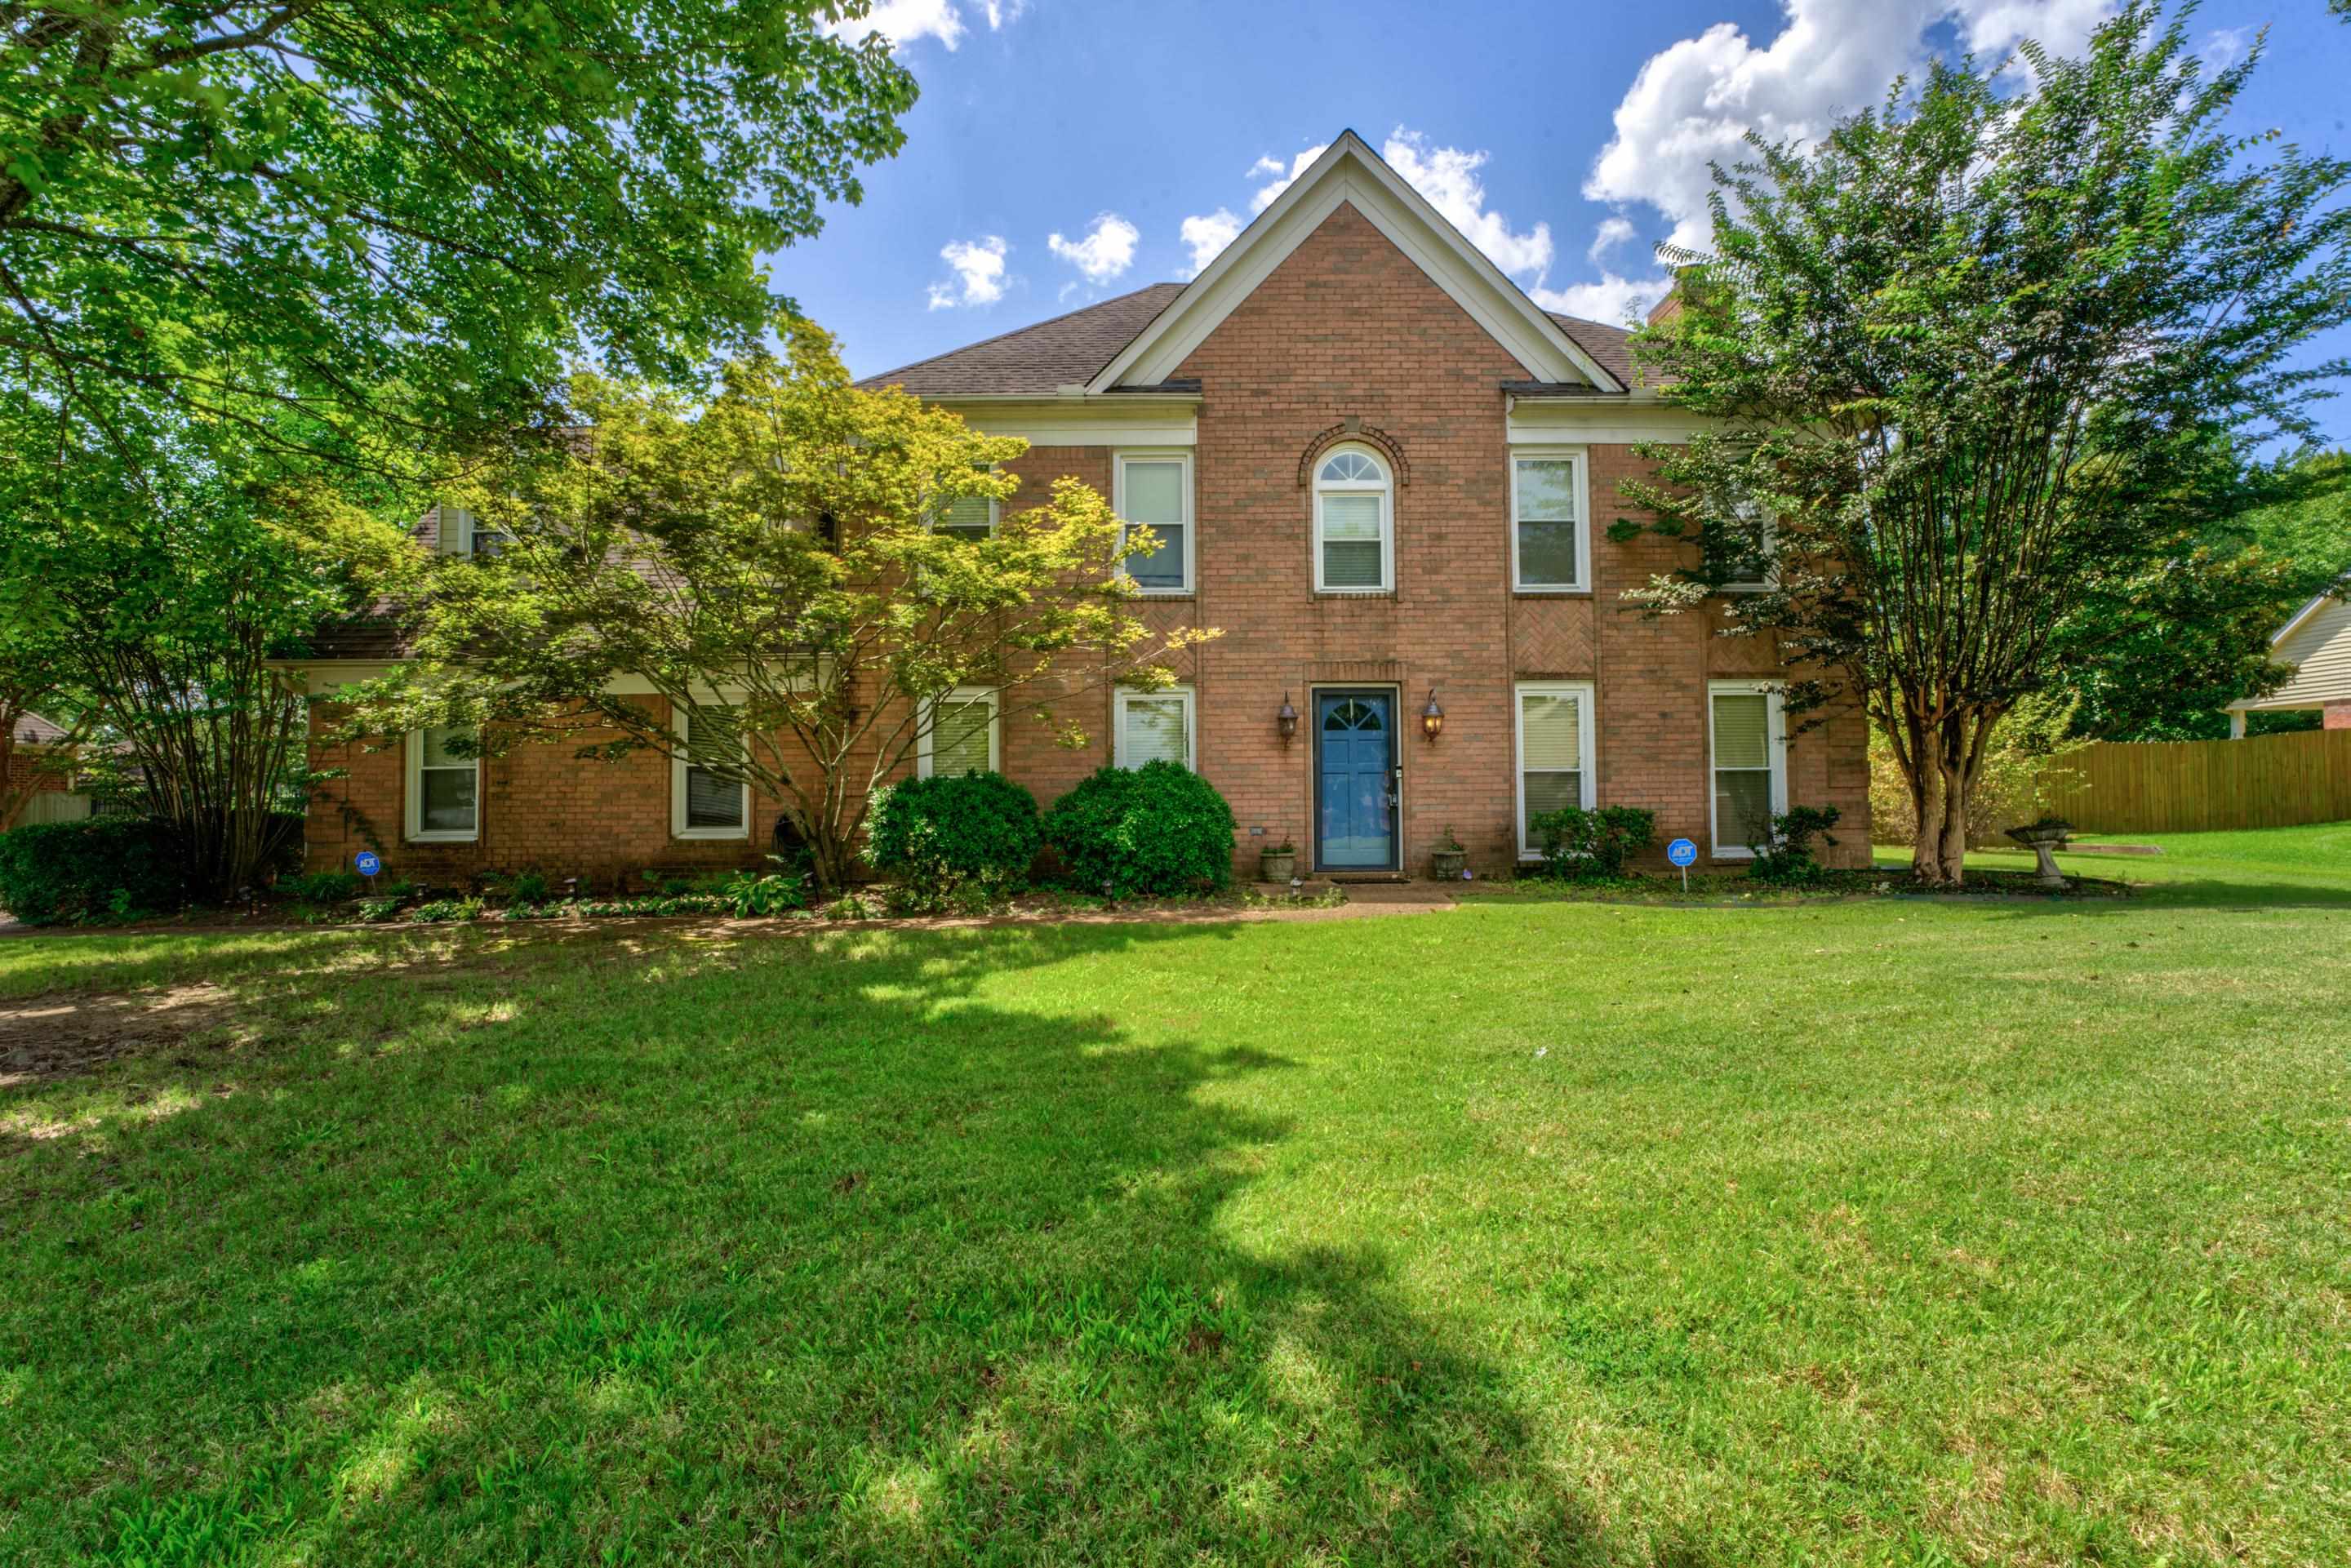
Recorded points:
(32, 729)
(1070, 350)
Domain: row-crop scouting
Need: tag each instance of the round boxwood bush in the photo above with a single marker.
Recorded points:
(941, 841)
(102, 868)
(1157, 830)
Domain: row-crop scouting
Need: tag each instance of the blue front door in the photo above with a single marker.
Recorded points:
(1355, 784)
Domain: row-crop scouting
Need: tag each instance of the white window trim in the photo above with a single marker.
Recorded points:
(961, 694)
(1775, 752)
(1191, 723)
(1770, 579)
(1576, 455)
(416, 832)
(1118, 460)
(1586, 702)
(680, 717)
(1386, 488)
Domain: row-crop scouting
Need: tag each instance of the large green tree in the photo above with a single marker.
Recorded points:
(403, 220)
(802, 567)
(1969, 359)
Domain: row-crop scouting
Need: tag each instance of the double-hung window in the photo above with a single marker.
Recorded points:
(1354, 524)
(1555, 765)
(1739, 549)
(1156, 488)
(1750, 761)
(444, 789)
(960, 737)
(709, 797)
(967, 517)
(1152, 726)
(1550, 542)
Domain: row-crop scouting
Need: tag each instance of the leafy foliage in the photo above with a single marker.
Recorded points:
(2025, 756)
(1581, 845)
(401, 218)
(1969, 379)
(945, 841)
(320, 886)
(1159, 830)
(102, 868)
(776, 544)
(751, 894)
(1789, 859)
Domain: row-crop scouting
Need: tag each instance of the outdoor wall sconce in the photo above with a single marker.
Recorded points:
(1432, 717)
(1286, 719)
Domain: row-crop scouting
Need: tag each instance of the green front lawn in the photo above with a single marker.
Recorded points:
(1895, 1230)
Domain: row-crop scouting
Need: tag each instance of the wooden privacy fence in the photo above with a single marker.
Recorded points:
(2194, 786)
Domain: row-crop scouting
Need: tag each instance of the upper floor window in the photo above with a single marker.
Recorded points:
(462, 533)
(1156, 488)
(1739, 549)
(967, 517)
(1354, 542)
(1549, 539)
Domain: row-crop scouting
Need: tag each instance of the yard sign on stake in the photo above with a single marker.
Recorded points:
(368, 865)
(1681, 852)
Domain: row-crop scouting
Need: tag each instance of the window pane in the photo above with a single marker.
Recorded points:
(1155, 493)
(1547, 555)
(1162, 567)
(1553, 732)
(966, 518)
(1741, 731)
(1155, 730)
(1742, 805)
(1548, 792)
(712, 801)
(1353, 468)
(448, 803)
(1352, 515)
(714, 737)
(1546, 489)
(437, 753)
(959, 738)
(1351, 565)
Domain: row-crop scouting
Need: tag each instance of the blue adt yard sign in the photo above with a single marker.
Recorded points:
(1682, 853)
(366, 862)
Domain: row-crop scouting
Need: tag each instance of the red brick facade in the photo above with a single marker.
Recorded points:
(2337, 716)
(1346, 328)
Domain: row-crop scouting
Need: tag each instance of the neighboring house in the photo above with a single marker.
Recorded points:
(32, 754)
(2317, 642)
(1386, 475)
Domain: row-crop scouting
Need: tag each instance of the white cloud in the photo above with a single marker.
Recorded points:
(1611, 233)
(2224, 46)
(1207, 234)
(904, 22)
(1447, 176)
(1696, 100)
(1614, 299)
(979, 266)
(1107, 250)
(1282, 178)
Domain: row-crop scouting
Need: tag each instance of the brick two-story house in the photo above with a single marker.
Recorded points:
(1386, 478)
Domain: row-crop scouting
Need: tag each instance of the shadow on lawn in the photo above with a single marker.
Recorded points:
(669, 1249)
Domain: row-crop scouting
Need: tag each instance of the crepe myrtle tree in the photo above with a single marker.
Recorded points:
(1967, 362)
(798, 565)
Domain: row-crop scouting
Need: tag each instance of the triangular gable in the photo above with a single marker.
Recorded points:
(1349, 172)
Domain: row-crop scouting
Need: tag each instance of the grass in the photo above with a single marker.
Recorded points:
(2002, 1231)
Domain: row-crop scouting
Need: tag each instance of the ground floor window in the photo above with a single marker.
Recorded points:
(709, 796)
(961, 736)
(444, 797)
(1152, 726)
(1749, 759)
(1555, 767)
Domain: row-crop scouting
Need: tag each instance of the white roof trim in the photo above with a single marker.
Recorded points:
(1350, 173)
(2302, 615)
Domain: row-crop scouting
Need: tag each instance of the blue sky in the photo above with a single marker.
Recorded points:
(1066, 151)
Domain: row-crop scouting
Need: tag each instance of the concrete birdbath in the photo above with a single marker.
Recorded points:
(2043, 837)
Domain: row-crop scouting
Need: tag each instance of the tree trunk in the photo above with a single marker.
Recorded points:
(1952, 836)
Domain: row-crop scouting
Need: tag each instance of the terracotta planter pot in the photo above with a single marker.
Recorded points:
(1447, 865)
(1277, 865)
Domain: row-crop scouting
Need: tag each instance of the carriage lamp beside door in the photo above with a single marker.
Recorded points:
(1286, 719)
(1432, 717)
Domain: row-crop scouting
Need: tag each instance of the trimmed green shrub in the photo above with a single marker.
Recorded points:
(98, 869)
(1593, 846)
(1788, 859)
(1157, 831)
(320, 886)
(953, 842)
